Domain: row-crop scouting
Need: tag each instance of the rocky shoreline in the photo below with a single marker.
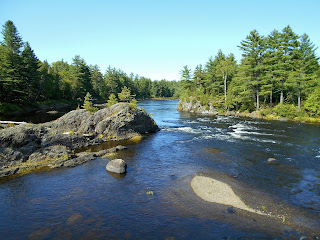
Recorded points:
(194, 106)
(29, 147)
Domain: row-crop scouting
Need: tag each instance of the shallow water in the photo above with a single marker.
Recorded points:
(87, 202)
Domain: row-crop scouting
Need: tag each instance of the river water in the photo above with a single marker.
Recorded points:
(154, 199)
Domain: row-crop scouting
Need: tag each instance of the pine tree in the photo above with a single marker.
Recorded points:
(305, 64)
(10, 64)
(284, 64)
(87, 105)
(81, 77)
(112, 81)
(49, 82)
(253, 48)
(30, 73)
(97, 81)
(125, 95)
(270, 59)
(198, 76)
(185, 74)
(213, 83)
(112, 100)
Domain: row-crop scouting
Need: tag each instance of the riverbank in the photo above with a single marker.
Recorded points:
(8, 109)
(29, 147)
(194, 106)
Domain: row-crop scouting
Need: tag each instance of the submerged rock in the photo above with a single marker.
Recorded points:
(51, 144)
(117, 166)
(271, 160)
(231, 210)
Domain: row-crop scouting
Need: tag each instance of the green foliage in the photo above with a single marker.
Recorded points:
(279, 68)
(125, 95)
(312, 104)
(133, 103)
(286, 110)
(24, 79)
(87, 105)
(112, 100)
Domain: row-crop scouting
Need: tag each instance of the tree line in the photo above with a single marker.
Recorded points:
(24, 78)
(280, 69)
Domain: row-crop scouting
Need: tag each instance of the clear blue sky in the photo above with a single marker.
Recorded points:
(152, 38)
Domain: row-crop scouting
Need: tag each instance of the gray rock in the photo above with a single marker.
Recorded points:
(80, 159)
(111, 150)
(50, 154)
(29, 146)
(271, 160)
(8, 172)
(117, 166)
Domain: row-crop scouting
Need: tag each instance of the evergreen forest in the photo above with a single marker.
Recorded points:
(278, 75)
(25, 79)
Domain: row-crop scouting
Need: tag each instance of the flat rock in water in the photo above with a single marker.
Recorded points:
(117, 166)
(270, 160)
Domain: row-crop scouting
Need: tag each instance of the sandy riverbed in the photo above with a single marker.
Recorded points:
(212, 190)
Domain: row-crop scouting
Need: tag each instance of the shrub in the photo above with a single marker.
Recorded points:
(266, 111)
(286, 110)
(125, 95)
(312, 104)
(133, 103)
(87, 105)
(112, 100)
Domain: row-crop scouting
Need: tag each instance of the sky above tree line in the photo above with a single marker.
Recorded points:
(154, 39)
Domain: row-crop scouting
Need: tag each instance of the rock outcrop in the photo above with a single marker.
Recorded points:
(194, 106)
(52, 144)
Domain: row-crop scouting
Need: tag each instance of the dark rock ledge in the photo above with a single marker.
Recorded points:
(29, 147)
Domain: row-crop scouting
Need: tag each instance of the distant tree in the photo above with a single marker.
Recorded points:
(253, 48)
(81, 76)
(49, 82)
(284, 63)
(225, 67)
(212, 83)
(61, 70)
(97, 81)
(186, 77)
(305, 64)
(30, 73)
(112, 81)
(11, 64)
(271, 56)
(198, 76)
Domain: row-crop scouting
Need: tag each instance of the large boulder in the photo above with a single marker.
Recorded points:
(117, 166)
(120, 120)
(51, 144)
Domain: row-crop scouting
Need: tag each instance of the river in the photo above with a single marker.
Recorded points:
(154, 199)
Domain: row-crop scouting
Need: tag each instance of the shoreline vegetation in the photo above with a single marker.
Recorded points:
(277, 78)
(26, 83)
(194, 106)
(11, 109)
(7, 109)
